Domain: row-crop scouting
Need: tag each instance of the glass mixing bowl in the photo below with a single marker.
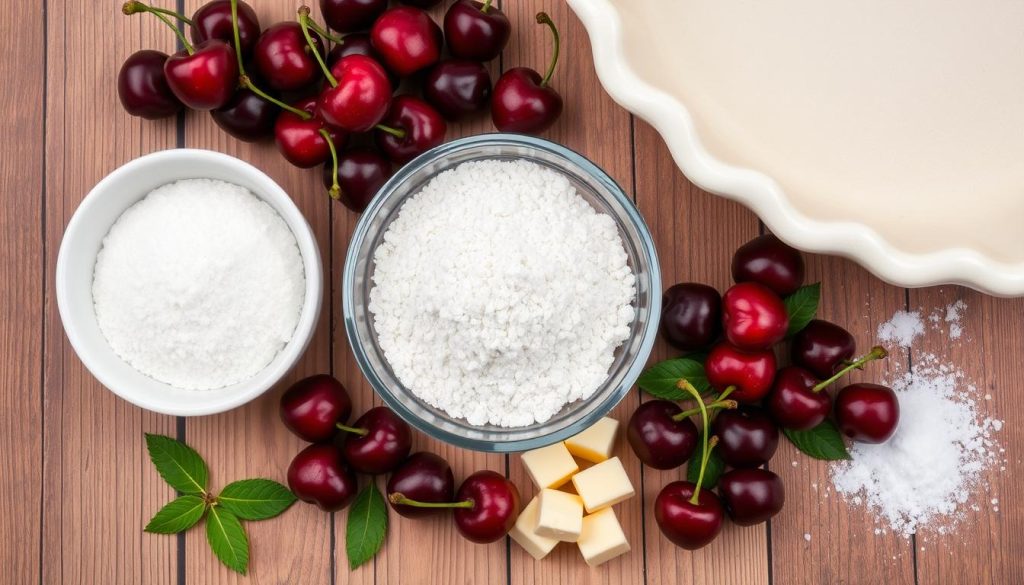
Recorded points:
(592, 184)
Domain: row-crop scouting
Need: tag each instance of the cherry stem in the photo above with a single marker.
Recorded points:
(543, 18)
(725, 393)
(685, 385)
(140, 7)
(246, 82)
(238, 40)
(353, 430)
(396, 132)
(400, 499)
(304, 25)
(485, 7)
(335, 190)
(723, 404)
(878, 352)
(134, 7)
(322, 31)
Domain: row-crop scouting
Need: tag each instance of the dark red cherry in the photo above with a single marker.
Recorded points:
(750, 373)
(358, 44)
(361, 173)
(378, 442)
(867, 413)
(691, 316)
(284, 59)
(751, 496)
(746, 437)
(213, 21)
(494, 509)
(822, 347)
(458, 88)
(318, 475)
(205, 79)
(793, 403)
(407, 39)
(769, 261)
(312, 407)
(688, 525)
(659, 440)
(423, 477)
(753, 316)
(476, 31)
(247, 116)
(523, 101)
(420, 127)
(351, 15)
(142, 86)
(299, 140)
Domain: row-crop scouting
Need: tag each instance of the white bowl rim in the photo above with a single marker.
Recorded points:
(763, 195)
(205, 403)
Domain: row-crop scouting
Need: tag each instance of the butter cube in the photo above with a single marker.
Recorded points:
(551, 466)
(603, 485)
(523, 532)
(595, 444)
(559, 515)
(602, 538)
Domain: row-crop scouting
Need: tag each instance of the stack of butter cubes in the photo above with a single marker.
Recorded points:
(586, 517)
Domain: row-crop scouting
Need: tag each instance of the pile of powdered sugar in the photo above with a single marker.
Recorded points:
(931, 469)
(500, 295)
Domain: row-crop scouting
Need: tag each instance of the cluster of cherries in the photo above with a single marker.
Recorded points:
(338, 107)
(752, 397)
(317, 410)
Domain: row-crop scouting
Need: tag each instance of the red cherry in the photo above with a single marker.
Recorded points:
(142, 86)
(750, 373)
(753, 316)
(522, 100)
(476, 31)
(361, 173)
(213, 21)
(493, 509)
(312, 407)
(746, 437)
(868, 413)
(358, 44)
(284, 59)
(822, 347)
(688, 525)
(318, 475)
(360, 96)
(378, 442)
(204, 79)
(410, 128)
(424, 478)
(793, 403)
(769, 261)
(300, 140)
(658, 439)
(751, 496)
(407, 39)
(351, 15)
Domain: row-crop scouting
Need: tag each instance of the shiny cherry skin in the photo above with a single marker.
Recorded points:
(746, 437)
(284, 59)
(206, 79)
(312, 407)
(474, 32)
(351, 15)
(658, 440)
(361, 98)
(822, 347)
(213, 21)
(793, 403)
(751, 372)
(867, 413)
(751, 496)
(521, 104)
(424, 477)
(495, 507)
(142, 86)
(247, 116)
(385, 445)
(407, 39)
(423, 126)
(769, 261)
(318, 475)
(688, 525)
(358, 44)
(361, 173)
(753, 316)
(691, 316)
(458, 88)
(300, 141)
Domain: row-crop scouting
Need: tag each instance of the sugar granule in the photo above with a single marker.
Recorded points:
(953, 313)
(902, 328)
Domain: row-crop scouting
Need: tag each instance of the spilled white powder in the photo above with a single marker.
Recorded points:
(953, 313)
(199, 285)
(902, 329)
(500, 294)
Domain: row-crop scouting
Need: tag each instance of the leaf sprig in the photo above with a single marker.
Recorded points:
(248, 499)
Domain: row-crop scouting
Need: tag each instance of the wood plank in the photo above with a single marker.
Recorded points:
(985, 546)
(99, 487)
(21, 299)
(595, 126)
(835, 552)
(251, 441)
(695, 234)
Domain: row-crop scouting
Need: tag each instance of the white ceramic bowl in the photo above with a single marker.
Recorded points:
(77, 259)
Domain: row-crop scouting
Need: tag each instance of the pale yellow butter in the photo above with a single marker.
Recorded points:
(595, 444)
(523, 533)
(603, 485)
(602, 538)
(559, 515)
(551, 466)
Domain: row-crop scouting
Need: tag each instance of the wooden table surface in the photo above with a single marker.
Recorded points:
(78, 486)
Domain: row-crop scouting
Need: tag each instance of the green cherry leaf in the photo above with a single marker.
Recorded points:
(227, 539)
(180, 514)
(822, 442)
(367, 526)
(178, 464)
(802, 306)
(660, 379)
(711, 474)
(255, 499)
